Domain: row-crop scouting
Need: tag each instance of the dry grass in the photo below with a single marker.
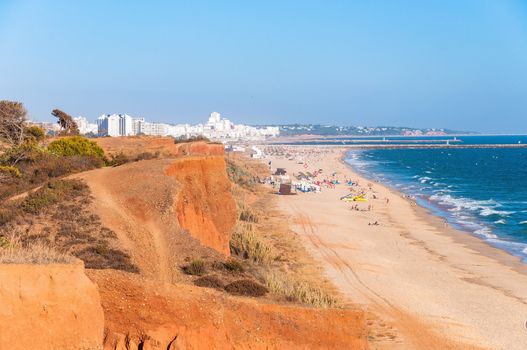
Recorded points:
(298, 290)
(12, 251)
(58, 215)
(249, 214)
(270, 251)
(246, 244)
(196, 267)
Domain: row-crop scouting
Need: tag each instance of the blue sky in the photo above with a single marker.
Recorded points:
(445, 63)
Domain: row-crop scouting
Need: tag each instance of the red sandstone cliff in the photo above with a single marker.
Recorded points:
(164, 210)
(205, 206)
(53, 307)
(165, 316)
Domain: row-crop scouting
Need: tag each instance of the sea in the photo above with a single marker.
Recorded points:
(481, 191)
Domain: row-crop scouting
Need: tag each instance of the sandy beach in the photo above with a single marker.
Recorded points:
(426, 285)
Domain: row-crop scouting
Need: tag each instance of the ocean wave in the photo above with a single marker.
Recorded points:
(460, 203)
(486, 232)
(424, 179)
(489, 212)
(516, 248)
(523, 222)
(500, 221)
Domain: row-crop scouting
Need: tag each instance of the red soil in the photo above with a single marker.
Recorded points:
(205, 206)
(51, 307)
(142, 314)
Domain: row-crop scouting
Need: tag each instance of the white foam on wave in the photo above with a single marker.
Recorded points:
(424, 179)
(486, 232)
(500, 221)
(462, 203)
(490, 211)
(523, 222)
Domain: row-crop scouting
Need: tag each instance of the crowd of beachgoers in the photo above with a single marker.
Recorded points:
(314, 179)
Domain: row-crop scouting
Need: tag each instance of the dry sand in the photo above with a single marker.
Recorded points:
(439, 288)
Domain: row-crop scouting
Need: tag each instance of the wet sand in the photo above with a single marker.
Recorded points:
(437, 287)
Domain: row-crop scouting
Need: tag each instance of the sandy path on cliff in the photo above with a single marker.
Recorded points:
(439, 288)
(129, 218)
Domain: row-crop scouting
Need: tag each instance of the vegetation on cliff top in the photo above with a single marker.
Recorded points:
(56, 215)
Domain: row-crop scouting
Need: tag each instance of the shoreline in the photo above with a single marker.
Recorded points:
(468, 238)
(430, 286)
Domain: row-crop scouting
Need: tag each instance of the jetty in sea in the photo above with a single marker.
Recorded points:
(441, 145)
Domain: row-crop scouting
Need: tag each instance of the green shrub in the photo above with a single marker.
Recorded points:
(51, 193)
(75, 146)
(35, 133)
(28, 151)
(246, 287)
(11, 171)
(233, 265)
(196, 267)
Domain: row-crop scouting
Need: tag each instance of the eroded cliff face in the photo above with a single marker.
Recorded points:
(53, 307)
(166, 316)
(205, 206)
(166, 210)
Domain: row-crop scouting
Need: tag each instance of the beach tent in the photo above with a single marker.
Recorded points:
(285, 189)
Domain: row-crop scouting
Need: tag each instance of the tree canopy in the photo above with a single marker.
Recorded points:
(66, 122)
(12, 123)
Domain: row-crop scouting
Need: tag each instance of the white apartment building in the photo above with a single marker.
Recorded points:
(85, 127)
(216, 128)
(108, 125)
(118, 125)
(154, 129)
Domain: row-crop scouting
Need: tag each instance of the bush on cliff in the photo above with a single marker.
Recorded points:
(209, 282)
(75, 146)
(196, 267)
(239, 175)
(247, 288)
(51, 193)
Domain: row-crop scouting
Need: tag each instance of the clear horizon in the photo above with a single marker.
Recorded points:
(436, 64)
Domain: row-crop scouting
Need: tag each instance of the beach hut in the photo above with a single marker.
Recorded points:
(285, 189)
